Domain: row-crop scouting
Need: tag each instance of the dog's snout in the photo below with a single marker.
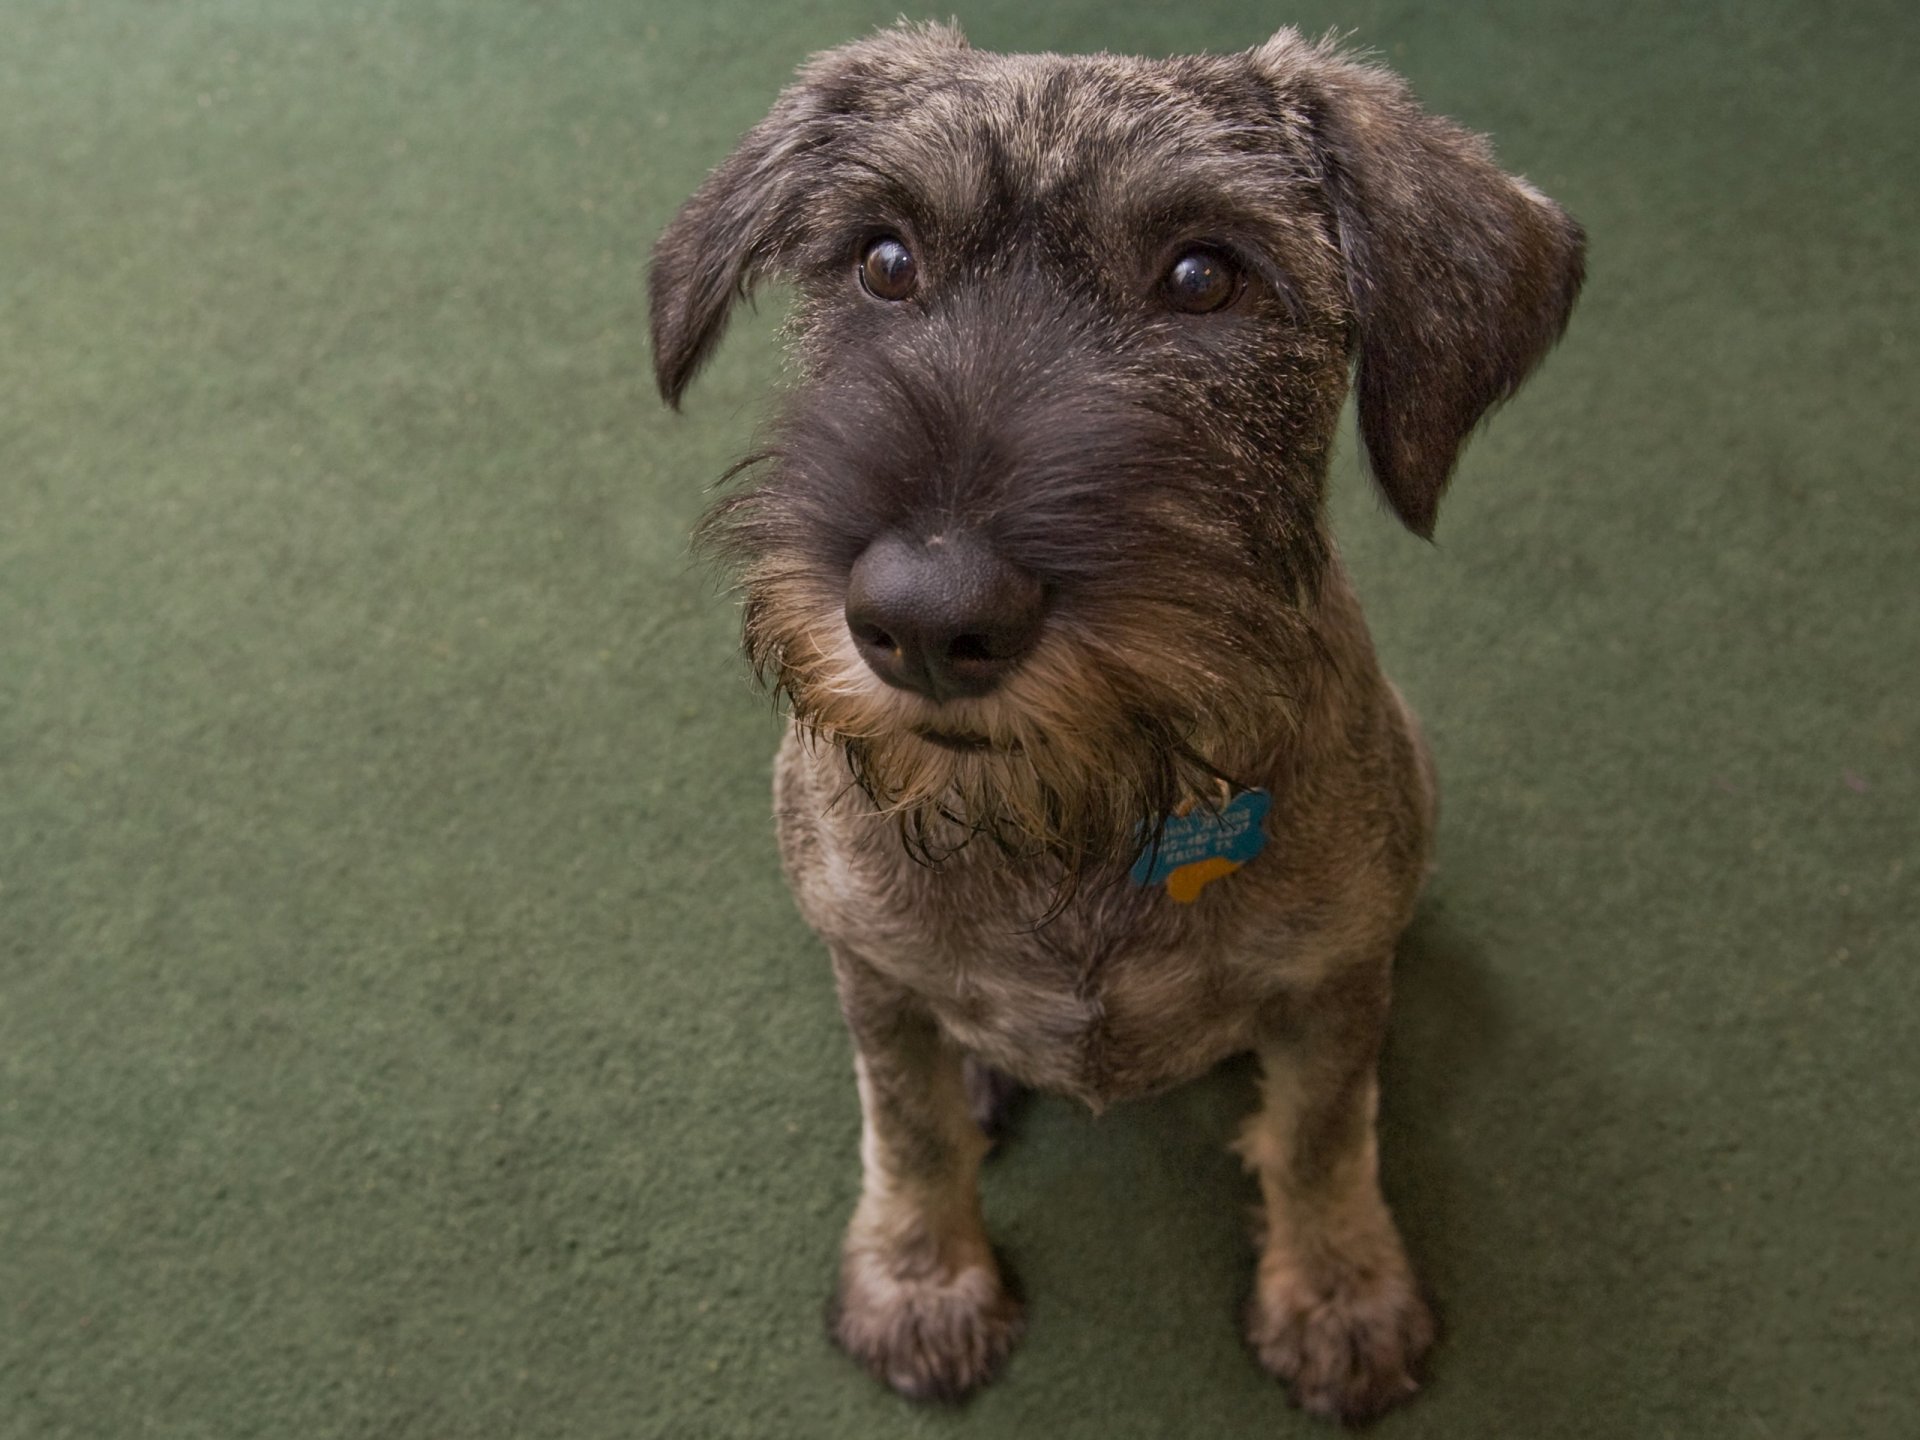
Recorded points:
(945, 617)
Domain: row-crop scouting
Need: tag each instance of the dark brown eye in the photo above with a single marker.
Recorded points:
(887, 269)
(1201, 281)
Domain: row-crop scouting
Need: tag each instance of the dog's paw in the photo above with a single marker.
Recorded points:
(1347, 1342)
(926, 1336)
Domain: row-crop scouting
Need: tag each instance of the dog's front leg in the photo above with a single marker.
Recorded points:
(1336, 1311)
(921, 1302)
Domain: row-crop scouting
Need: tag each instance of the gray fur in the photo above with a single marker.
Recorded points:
(1162, 475)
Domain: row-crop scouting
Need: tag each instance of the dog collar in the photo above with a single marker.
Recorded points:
(1203, 843)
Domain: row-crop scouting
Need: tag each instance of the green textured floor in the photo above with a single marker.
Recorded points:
(403, 1029)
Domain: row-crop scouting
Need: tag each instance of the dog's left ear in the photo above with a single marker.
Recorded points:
(1460, 276)
(748, 216)
(725, 237)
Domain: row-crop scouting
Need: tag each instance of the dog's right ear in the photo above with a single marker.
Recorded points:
(748, 217)
(1460, 276)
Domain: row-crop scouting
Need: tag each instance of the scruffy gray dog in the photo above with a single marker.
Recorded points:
(1092, 778)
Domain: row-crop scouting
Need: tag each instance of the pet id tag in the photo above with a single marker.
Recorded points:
(1204, 844)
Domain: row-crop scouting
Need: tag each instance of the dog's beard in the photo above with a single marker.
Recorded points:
(1177, 571)
(1073, 762)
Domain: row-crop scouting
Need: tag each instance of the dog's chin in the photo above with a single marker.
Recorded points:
(950, 790)
(1070, 804)
(962, 742)
(1073, 761)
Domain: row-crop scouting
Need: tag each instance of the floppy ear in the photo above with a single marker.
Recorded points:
(736, 225)
(1460, 276)
(748, 216)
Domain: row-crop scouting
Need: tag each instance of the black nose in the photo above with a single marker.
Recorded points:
(945, 617)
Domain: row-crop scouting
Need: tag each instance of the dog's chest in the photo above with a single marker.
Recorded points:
(1101, 1003)
(1121, 993)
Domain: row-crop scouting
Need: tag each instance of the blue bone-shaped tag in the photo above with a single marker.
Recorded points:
(1205, 844)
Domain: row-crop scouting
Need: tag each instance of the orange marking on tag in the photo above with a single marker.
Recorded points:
(1185, 884)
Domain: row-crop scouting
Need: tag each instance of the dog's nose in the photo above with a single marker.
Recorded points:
(945, 617)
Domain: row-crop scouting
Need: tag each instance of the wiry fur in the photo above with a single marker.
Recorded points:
(1161, 475)
(1170, 632)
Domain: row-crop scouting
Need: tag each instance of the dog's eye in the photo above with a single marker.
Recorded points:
(887, 269)
(1201, 281)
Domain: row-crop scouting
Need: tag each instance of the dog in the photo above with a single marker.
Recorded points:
(1092, 778)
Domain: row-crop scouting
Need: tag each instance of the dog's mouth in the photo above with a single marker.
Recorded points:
(961, 741)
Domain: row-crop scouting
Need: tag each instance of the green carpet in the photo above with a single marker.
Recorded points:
(403, 1027)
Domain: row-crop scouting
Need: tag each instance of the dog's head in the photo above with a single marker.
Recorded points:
(1037, 535)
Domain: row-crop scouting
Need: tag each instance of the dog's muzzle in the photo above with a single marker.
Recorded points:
(944, 617)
